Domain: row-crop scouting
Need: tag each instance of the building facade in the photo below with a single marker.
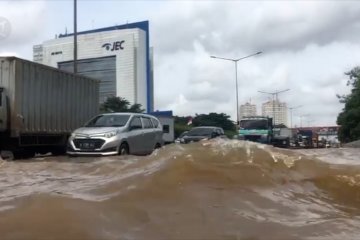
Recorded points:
(276, 110)
(119, 56)
(247, 110)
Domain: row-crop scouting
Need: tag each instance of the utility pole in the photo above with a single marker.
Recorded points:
(274, 96)
(292, 108)
(75, 36)
(301, 117)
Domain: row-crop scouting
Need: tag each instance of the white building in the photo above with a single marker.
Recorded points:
(118, 56)
(247, 110)
(167, 121)
(276, 110)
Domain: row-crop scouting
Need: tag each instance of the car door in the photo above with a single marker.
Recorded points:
(158, 131)
(135, 136)
(149, 135)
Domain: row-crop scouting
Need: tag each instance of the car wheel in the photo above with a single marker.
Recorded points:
(124, 149)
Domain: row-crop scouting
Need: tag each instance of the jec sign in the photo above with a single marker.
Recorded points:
(115, 46)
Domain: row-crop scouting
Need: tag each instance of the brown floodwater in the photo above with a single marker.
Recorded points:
(221, 189)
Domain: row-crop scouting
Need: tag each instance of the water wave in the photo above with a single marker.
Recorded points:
(221, 189)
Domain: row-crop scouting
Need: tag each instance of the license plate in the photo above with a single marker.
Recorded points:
(87, 145)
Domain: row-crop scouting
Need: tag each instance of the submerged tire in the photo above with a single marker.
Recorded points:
(29, 154)
(58, 151)
(124, 149)
(21, 154)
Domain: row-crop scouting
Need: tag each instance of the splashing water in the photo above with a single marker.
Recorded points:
(220, 189)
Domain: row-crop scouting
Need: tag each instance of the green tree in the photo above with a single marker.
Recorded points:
(214, 119)
(119, 104)
(349, 118)
(180, 125)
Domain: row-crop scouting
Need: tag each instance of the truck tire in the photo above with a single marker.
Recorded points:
(22, 154)
(58, 151)
(269, 140)
(16, 155)
(287, 143)
(29, 154)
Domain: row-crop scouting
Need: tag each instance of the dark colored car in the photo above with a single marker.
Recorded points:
(182, 135)
(202, 133)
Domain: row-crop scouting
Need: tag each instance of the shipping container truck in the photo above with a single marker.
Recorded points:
(40, 106)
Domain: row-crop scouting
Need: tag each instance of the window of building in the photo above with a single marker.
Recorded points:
(166, 129)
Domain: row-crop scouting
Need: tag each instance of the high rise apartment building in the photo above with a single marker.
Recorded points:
(276, 110)
(247, 110)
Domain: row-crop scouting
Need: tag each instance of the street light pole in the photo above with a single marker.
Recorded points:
(236, 60)
(292, 108)
(75, 36)
(274, 96)
(237, 96)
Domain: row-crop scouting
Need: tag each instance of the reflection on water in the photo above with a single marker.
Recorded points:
(211, 190)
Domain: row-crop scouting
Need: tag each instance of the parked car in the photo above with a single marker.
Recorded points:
(181, 136)
(117, 133)
(202, 133)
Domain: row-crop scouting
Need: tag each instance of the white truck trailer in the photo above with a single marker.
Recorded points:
(40, 106)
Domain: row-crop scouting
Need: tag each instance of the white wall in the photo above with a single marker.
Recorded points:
(168, 137)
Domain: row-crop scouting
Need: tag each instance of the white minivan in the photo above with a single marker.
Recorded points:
(117, 133)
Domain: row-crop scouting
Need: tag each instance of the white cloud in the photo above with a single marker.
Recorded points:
(307, 45)
(28, 22)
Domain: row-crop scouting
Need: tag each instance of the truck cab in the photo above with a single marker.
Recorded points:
(256, 129)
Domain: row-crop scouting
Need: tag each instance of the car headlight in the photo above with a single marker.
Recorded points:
(110, 134)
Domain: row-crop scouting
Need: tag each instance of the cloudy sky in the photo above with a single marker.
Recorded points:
(307, 46)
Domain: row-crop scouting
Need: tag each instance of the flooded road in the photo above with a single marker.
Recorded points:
(210, 190)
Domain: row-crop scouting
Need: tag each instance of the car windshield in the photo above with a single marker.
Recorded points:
(200, 132)
(108, 121)
(253, 124)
